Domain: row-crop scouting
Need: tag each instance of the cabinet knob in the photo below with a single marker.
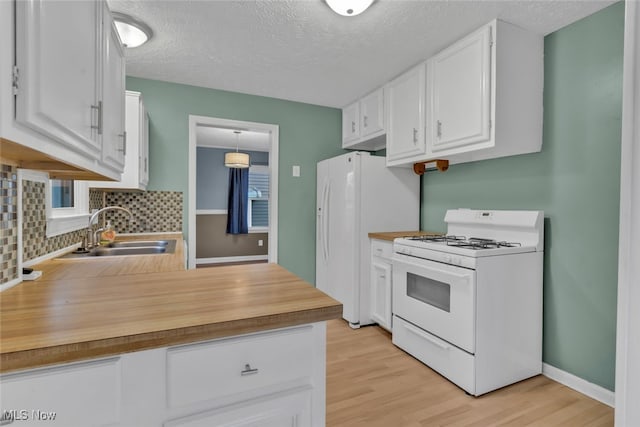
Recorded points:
(248, 370)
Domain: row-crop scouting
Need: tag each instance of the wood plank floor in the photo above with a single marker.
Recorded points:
(370, 382)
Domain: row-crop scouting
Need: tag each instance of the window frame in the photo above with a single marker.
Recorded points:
(61, 220)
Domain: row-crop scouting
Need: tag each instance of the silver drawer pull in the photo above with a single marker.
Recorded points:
(248, 371)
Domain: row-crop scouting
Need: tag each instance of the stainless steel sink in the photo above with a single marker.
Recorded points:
(140, 243)
(144, 250)
(129, 247)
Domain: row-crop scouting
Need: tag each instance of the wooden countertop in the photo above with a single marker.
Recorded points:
(67, 317)
(69, 268)
(391, 235)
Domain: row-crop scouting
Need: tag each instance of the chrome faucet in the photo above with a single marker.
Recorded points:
(92, 239)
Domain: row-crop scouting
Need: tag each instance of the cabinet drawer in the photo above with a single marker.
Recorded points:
(80, 394)
(447, 359)
(239, 366)
(293, 410)
(381, 248)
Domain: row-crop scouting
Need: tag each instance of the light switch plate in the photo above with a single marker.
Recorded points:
(296, 170)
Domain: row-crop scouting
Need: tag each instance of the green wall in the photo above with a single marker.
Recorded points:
(575, 180)
(308, 133)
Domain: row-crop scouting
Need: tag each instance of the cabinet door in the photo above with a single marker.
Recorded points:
(292, 411)
(372, 113)
(57, 45)
(350, 123)
(80, 394)
(113, 96)
(381, 293)
(405, 99)
(461, 84)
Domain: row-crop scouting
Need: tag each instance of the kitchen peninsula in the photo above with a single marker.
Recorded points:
(197, 347)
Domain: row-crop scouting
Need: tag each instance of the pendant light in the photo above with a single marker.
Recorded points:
(235, 159)
(349, 7)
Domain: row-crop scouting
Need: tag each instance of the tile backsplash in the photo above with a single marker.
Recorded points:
(34, 224)
(9, 223)
(153, 211)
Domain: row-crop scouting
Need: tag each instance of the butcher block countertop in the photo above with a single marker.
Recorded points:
(76, 311)
(391, 235)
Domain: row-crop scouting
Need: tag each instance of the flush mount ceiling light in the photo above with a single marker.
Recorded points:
(234, 159)
(132, 31)
(349, 7)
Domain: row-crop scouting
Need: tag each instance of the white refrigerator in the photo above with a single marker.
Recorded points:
(357, 194)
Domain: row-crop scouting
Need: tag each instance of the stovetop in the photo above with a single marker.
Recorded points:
(470, 247)
(476, 243)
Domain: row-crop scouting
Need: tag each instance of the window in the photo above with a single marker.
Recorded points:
(62, 193)
(67, 206)
(66, 201)
(258, 209)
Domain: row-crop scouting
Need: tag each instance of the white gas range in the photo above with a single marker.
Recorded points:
(469, 304)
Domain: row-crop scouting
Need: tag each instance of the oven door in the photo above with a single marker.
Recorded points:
(439, 298)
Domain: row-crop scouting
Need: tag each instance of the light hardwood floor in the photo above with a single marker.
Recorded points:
(372, 383)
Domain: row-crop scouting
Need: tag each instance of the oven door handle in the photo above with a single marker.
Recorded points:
(449, 273)
(426, 337)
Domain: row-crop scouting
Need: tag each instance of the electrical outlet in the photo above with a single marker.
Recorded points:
(260, 243)
(295, 171)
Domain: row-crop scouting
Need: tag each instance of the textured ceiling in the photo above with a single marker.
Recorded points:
(302, 51)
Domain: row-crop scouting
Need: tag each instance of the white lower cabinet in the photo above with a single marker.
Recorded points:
(272, 378)
(79, 394)
(381, 252)
(291, 410)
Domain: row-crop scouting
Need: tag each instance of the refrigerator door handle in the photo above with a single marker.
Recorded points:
(325, 222)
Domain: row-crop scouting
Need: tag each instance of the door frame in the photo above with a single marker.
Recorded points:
(273, 131)
(627, 392)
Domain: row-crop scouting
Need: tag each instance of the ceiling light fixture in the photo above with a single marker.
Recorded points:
(349, 7)
(234, 159)
(132, 32)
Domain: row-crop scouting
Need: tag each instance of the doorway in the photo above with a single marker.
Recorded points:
(209, 139)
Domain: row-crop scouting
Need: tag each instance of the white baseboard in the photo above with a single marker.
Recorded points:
(219, 260)
(592, 390)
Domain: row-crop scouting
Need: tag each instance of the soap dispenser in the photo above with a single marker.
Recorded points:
(108, 235)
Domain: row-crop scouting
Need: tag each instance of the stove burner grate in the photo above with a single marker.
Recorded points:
(480, 243)
(439, 238)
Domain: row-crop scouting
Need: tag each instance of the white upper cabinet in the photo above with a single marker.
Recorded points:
(58, 74)
(136, 168)
(363, 126)
(461, 93)
(114, 137)
(405, 100)
(372, 113)
(61, 88)
(485, 95)
(350, 123)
